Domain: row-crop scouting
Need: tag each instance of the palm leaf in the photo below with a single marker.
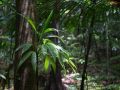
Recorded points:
(52, 50)
(24, 47)
(48, 20)
(47, 63)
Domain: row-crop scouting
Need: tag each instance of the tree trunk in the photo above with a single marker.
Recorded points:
(55, 79)
(88, 46)
(25, 79)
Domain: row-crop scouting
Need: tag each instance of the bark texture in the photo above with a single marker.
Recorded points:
(25, 78)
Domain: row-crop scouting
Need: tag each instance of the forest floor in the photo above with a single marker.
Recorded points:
(96, 80)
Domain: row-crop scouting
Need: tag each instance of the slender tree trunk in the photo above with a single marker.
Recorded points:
(25, 79)
(55, 79)
(86, 60)
(90, 32)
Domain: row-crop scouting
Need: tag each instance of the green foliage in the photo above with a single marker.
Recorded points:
(48, 20)
(47, 62)
(51, 51)
(32, 24)
(75, 19)
(27, 54)
(49, 30)
(24, 47)
(54, 52)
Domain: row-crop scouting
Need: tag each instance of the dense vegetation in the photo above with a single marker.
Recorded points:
(59, 45)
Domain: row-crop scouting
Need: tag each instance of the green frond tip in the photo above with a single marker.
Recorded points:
(49, 30)
(31, 23)
(48, 20)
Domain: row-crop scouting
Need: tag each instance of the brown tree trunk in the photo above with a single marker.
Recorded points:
(25, 79)
(55, 79)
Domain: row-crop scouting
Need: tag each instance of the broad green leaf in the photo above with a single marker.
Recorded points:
(53, 64)
(34, 60)
(55, 36)
(44, 49)
(23, 59)
(65, 54)
(52, 50)
(47, 63)
(49, 30)
(31, 23)
(58, 47)
(45, 41)
(2, 76)
(24, 47)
